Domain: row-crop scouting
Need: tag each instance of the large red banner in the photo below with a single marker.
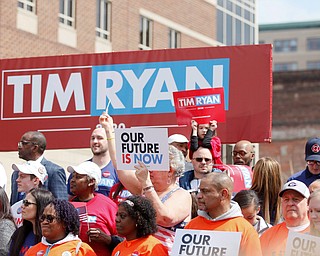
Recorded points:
(62, 96)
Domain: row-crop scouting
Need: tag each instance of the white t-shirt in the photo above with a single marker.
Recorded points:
(3, 177)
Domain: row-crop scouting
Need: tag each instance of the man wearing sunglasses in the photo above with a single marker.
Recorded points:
(312, 157)
(31, 175)
(202, 165)
(31, 147)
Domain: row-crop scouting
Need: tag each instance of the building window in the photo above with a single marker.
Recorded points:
(290, 66)
(145, 33)
(174, 39)
(103, 19)
(27, 19)
(313, 44)
(28, 5)
(287, 45)
(236, 22)
(67, 12)
(311, 65)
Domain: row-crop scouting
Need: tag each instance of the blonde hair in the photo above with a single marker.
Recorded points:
(176, 161)
(313, 230)
(267, 184)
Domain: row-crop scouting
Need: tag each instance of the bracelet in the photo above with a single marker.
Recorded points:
(110, 138)
(149, 188)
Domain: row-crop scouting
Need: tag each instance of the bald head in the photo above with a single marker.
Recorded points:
(243, 153)
(215, 193)
(220, 181)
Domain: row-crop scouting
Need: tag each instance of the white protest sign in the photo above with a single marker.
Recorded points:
(148, 145)
(189, 242)
(302, 244)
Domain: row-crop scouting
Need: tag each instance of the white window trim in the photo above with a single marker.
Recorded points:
(104, 32)
(27, 3)
(142, 45)
(172, 38)
(67, 18)
(27, 20)
(183, 30)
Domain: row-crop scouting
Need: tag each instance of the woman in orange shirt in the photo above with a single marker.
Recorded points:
(136, 221)
(60, 228)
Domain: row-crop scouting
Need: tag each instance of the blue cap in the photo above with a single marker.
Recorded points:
(313, 150)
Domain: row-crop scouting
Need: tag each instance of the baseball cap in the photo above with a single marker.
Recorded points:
(177, 138)
(88, 168)
(32, 167)
(313, 149)
(297, 186)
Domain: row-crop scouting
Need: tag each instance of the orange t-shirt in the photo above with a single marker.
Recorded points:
(143, 246)
(249, 244)
(274, 240)
(59, 249)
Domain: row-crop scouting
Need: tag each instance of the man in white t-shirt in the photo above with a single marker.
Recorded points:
(32, 174)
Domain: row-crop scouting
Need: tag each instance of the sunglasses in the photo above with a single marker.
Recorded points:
(313, 162)
(49, 218)
(200, 159)
(241, 153)
(27, 203)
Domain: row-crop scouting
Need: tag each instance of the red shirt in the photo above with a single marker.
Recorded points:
(100, 213)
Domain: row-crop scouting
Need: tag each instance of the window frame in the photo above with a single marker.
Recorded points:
(103, 31)
(313, 44)
(174, 39)
(313, 65)
(146, 31)
(285, 66)
(65, 18)
(285, 45)
(26, 4)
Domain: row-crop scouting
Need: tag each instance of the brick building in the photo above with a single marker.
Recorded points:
(47, 31)
(296, 118)
(36, 28)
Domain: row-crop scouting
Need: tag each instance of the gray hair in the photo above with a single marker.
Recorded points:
(176, 161)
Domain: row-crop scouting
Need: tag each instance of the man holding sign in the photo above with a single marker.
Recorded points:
(219, 213)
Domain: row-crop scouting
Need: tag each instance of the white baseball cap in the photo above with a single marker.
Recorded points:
(177, 138)
(32, 167)
(296, 186)
(88, 168)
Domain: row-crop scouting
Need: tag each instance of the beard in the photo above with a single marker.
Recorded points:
(98, 151)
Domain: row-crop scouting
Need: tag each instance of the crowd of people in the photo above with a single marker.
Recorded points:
(103, 210)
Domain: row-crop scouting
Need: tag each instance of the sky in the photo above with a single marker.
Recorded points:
(282, 11)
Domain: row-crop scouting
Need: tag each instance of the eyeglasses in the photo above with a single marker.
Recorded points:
(25, 142)
(241, 153)
(49, 218)
(313, 163)
(200, 159)
(26, 203)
